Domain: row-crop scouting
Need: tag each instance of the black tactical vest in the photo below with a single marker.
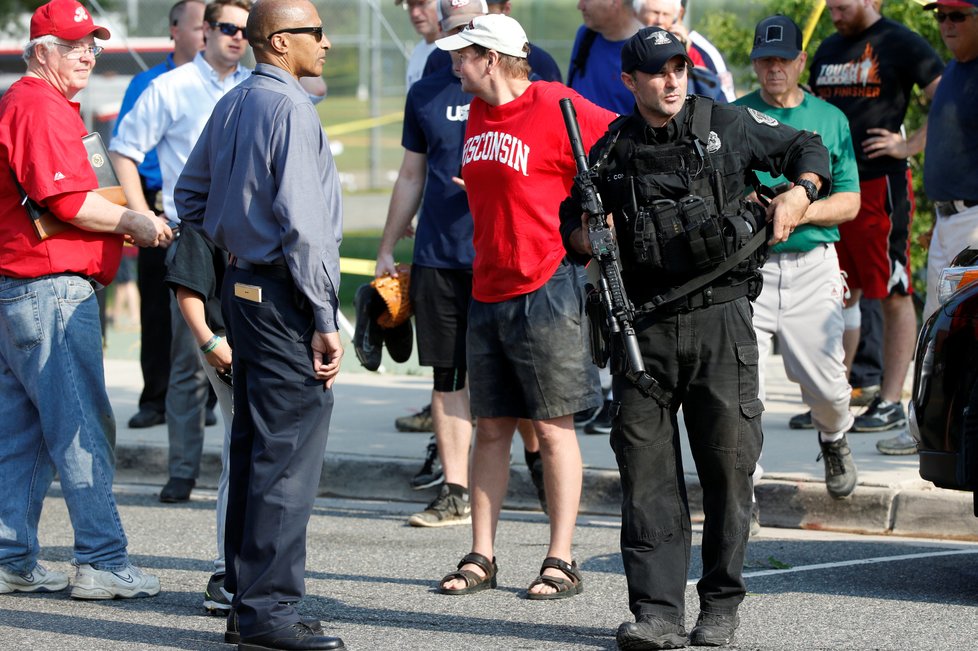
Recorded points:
(678, 221)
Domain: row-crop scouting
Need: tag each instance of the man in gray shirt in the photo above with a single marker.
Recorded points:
(261, 184)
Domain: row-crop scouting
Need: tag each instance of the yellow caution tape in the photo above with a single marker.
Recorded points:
(357, 267)
(361, 125)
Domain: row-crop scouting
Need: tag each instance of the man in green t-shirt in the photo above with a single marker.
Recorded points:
(802, 300)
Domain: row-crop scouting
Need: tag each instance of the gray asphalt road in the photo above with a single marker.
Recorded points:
(371, 577)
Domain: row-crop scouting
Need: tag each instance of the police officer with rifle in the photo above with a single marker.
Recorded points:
(678, 273)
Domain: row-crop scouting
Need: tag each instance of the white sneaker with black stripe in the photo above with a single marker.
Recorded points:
(128, 583)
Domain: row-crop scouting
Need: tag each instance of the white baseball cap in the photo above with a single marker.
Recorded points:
(496, 32)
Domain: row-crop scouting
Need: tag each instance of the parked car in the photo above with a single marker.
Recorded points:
(943, 412)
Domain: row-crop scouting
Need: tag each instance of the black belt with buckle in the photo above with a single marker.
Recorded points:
(948, 208)
(277, 270)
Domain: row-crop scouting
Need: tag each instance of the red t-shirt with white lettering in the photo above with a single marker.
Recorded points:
(518, 166)
(40, 144)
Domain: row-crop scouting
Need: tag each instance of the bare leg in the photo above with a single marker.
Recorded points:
(490, 476)
(529, 436)
(453, 431)
(899, 330)
(563, 474)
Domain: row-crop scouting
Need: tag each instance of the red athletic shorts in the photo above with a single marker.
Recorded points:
(874, 250)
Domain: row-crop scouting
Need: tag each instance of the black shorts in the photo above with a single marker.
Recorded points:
(440, 298)
(529, 356)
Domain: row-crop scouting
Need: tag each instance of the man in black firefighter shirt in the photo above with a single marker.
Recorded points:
(658, 176)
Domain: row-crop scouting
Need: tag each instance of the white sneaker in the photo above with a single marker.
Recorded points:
(37, 580)
(129, 582)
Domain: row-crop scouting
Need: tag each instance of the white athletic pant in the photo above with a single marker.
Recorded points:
(801, 303)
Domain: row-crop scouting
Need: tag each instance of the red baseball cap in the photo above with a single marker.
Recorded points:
(65, 19)
(954, 4)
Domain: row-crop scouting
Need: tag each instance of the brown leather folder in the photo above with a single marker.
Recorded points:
(45, 224)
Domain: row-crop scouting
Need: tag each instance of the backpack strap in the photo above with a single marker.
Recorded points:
(583, 52)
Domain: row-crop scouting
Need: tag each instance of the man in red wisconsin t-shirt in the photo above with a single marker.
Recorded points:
(528, 356)
(55, 413)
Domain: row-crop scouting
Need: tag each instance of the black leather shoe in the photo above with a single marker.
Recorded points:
(714, 630)
(650, 632)
(298, 637)
(210, 420)
(232, 636)
(147, 418)
(177, 489)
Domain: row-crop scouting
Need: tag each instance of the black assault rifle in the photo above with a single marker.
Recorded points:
(619, 312)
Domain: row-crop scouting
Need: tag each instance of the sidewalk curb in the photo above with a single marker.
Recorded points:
(885, 510)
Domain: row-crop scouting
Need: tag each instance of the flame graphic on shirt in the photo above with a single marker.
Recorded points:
(863, 71)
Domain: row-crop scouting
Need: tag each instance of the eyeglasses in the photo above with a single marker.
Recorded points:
(317, 32)
(229, 29)
(953, 16)
(77, 51)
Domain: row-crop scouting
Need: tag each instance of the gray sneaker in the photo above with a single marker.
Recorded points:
(880, 416)
(127, 583)
(217, 600)
(840, 469)
(418, 422)
(900, 444)
(431, 473)
(450, 508)
(801, 421)
(38, 579)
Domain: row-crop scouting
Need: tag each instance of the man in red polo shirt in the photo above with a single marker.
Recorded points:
(55, 414)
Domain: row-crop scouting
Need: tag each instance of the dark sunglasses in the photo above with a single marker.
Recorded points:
(953, 16)
(317, 32)
(229, 29)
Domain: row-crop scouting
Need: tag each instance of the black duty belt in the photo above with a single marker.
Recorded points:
(690, 302)
(277, 270)
(948, 208)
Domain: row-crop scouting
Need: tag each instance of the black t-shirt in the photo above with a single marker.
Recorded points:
(198, 264)
(870, 78)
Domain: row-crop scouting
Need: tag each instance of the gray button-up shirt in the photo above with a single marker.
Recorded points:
(262, 183)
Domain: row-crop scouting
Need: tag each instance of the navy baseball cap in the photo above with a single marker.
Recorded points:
(777, 36)
(952, 4)
(650, 49)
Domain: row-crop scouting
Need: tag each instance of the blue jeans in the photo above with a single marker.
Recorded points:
(55, 416)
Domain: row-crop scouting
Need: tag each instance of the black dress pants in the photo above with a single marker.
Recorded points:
(708, 358)
(278, 438)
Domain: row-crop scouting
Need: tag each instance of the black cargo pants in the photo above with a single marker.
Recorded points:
(708, 358)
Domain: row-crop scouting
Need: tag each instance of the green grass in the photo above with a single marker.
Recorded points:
(353, 161)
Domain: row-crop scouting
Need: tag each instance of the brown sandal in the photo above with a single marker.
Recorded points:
(565, 588)
(473, 582)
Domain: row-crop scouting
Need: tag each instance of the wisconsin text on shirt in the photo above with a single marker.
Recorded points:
(500, 147)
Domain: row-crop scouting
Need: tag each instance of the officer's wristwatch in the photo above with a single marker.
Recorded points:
(810, 189)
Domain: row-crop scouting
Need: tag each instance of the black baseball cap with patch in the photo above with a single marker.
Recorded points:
(650, 49)
(777, 36)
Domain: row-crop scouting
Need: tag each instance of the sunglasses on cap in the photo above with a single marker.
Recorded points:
(229, 29)
(953, 16)
(317, 32)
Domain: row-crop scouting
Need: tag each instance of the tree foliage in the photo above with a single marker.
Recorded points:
(733, 34)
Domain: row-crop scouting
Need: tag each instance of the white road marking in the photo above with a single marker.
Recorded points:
(862, 561)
